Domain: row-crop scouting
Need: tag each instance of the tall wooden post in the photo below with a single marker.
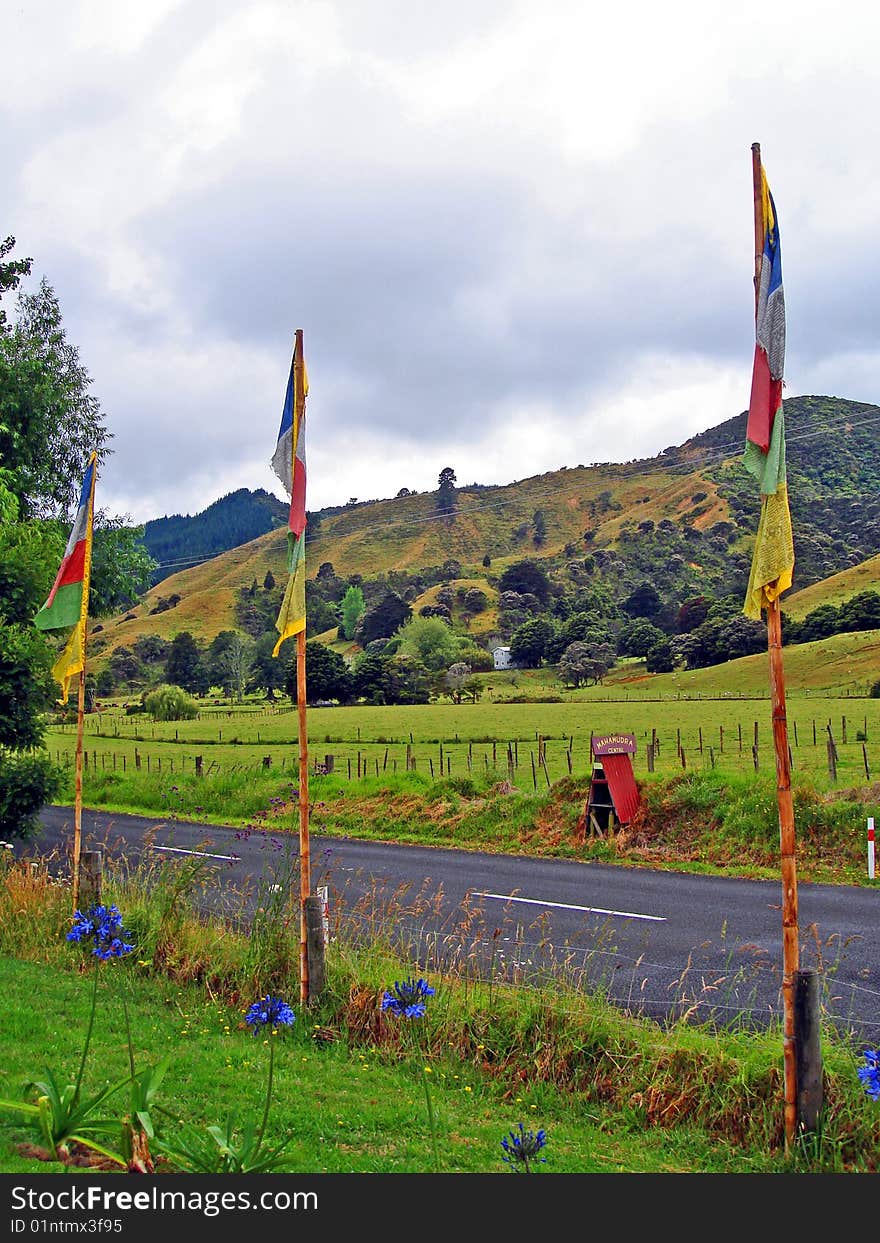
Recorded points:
(790, 933)
(77, 797)
(305, 870)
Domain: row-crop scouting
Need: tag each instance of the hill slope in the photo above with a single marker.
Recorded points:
(683, 520)
(229, 522)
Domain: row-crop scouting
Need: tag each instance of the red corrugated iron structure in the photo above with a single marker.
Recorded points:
(613, 786)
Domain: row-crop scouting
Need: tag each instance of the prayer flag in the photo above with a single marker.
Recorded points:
(773, 556)
(289, 464)
(68, 601)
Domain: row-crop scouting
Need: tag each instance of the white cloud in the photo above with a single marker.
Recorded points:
(506, 231)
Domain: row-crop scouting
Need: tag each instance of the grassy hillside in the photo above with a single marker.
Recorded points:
(684, 519)
(835, 589)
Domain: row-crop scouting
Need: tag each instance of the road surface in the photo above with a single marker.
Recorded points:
(663, 944)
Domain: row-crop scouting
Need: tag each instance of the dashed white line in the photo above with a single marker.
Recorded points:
(567, 906)
(202, 854)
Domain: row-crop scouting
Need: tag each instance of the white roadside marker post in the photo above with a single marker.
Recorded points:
(870, 848)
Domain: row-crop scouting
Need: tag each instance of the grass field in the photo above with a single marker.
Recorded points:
(614, 1093)
(482, 738)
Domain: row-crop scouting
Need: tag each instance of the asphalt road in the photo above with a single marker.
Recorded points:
(664, 944)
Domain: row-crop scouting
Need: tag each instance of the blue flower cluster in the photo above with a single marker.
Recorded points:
(103, 926)
(522, 1147)
(870, 1074)
(407, 998)
(269, 1012)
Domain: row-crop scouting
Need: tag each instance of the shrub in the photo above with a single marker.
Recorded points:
(26, 783)
(170, 703)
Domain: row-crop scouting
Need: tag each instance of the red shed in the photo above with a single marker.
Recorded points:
(613, 789)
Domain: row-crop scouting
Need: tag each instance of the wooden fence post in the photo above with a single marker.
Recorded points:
(807, 1048)
(832, 758)
(314, 917)
(90, 878)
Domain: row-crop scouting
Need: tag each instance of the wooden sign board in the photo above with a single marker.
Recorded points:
(613, 789)
(613, 744)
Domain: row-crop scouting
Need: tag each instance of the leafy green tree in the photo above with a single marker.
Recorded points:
(185, 666)
(479, 659)
(28, 779)
(819, 623)
(121, 566)
(352, 609)
(526, 578)
(151, 649)
(475, 600)
(327, 675)
(105, 683)
(370, 677)
(266, 672)
(644, 601)
(860, 612)
(170, 703)
(383, 619)
(693, 613)
(529, 643)
(638, 636)
(585, 663)
(428, 639)
(49, 425)
(10, 273)
(447, 502)
(455, 679)
(579, 628)
(407, 681)
(125, 667)
(539, 527)
(320, 616)
(49, 419)
(659, 658)
(236, 661)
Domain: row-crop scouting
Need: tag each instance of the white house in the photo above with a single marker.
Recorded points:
(501, 657)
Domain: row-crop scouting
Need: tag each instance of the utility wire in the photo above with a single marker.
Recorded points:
(709, 458)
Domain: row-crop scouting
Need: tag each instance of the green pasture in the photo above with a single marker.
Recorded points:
(536, 743)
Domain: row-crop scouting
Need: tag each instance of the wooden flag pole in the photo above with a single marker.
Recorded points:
(77, 800)
(790, 932)
(305, 869)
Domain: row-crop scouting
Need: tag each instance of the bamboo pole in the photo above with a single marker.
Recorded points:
(787, 843)
(790, 935)
(77, 798)
(305, 870)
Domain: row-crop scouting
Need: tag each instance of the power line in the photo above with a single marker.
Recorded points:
(710, 457)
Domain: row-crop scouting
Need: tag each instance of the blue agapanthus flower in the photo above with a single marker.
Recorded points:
(269, 1012)
(870, 1074)
(407, 998)
(521, 1147)
(102, 925)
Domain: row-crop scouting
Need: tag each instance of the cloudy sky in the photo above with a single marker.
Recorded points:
(516, 236)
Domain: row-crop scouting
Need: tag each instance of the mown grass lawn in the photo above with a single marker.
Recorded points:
(350, 1108)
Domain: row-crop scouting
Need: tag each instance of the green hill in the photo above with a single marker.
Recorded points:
(835, 589)
(683, 521)
(233, 520)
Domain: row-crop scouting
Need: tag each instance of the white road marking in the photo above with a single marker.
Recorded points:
(202, 854)
(567, 906)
